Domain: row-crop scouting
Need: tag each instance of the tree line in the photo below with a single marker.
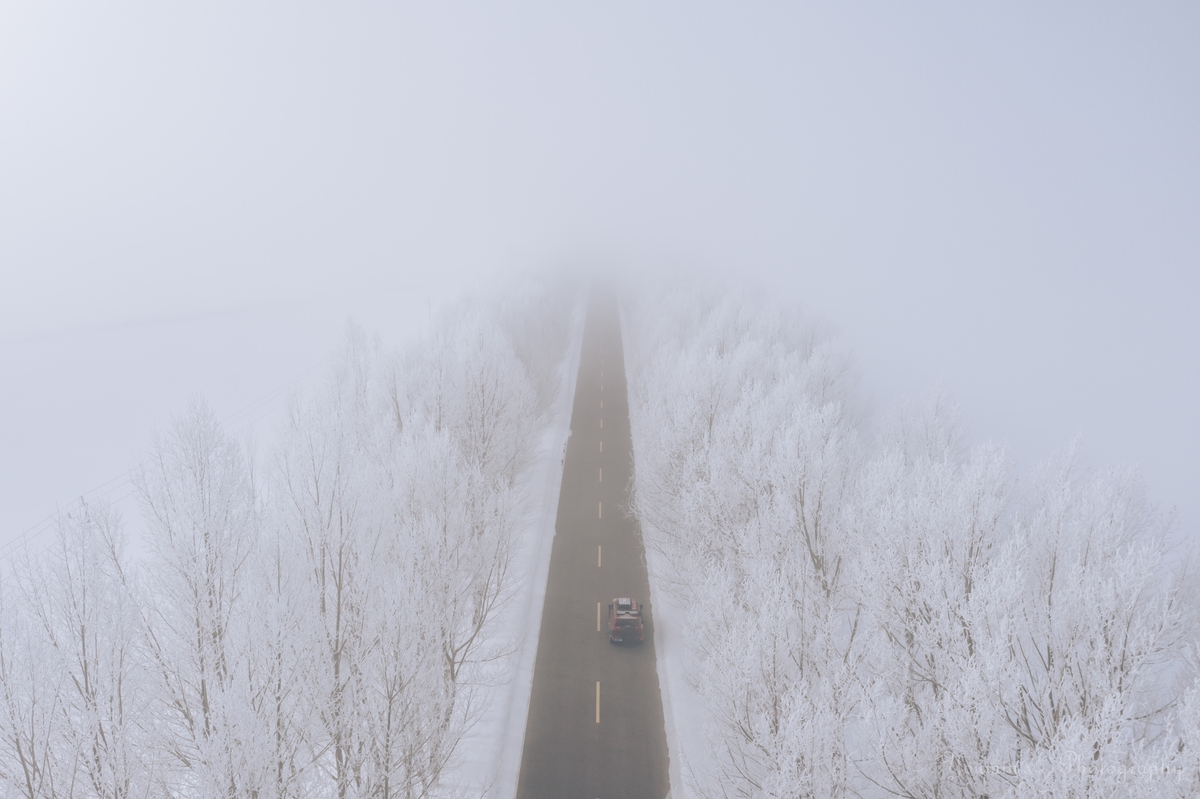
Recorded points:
(876, 608)
(313, 621)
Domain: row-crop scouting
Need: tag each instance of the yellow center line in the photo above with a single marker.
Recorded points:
(597, 701)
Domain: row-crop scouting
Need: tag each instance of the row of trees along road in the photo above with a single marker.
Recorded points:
(313, 622)
(877, 609)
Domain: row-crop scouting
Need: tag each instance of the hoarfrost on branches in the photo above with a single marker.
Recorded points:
(317, 621)
(887, 611)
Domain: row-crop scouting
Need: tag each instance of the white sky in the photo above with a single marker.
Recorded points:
(1005, 199)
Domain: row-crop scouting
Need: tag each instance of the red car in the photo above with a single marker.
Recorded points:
(625, 621)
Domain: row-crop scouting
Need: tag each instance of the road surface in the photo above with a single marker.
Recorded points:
(595, 728)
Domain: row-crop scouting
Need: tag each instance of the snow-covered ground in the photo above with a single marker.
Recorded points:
(683, 713)
(489, 760)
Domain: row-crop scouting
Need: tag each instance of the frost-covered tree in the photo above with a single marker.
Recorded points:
(322, 629)
(927, 527)
(893, 613)
(1176, 772)
(745, 457)
(398, 481)
(329, 508)
(199, 502)
(1098, 628)
(31, 699)
(281, 668)
(84, 608)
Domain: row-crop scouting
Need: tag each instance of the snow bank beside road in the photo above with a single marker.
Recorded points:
(491, 752)
(684, 713)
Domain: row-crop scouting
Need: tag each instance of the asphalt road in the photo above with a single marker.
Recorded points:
(595, 728)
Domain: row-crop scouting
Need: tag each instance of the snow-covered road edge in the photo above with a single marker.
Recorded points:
(672, 682)
(490, 753)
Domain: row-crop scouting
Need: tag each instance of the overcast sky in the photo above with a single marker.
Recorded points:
(1003, 198)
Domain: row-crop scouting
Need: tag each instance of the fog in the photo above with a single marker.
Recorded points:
(999, 200)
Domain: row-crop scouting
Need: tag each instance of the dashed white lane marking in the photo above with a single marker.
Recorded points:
(601, 480)
(599, 510)
(599, 555)
(601, 446)
(601, 424)
(597, 617)
(597, 701)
